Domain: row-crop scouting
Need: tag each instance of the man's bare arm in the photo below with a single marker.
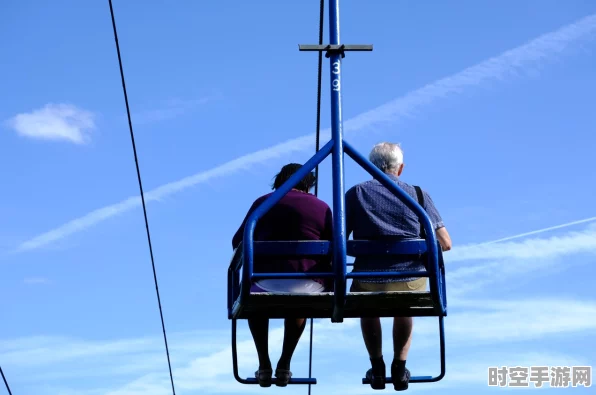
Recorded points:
(444, 239)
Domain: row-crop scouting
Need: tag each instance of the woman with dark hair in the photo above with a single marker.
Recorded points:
(297, 216)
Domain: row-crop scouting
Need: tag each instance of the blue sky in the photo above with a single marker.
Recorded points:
(491, 101)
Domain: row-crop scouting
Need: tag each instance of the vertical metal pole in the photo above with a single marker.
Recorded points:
(339, 223)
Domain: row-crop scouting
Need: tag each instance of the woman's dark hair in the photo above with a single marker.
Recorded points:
(287, 171)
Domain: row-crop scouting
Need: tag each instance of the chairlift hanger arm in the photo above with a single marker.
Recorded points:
(242, 304)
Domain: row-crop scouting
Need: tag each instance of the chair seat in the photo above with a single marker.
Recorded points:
(358, 304)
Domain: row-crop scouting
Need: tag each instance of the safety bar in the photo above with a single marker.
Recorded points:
(427, 379)
(237, 293)
(253, 380)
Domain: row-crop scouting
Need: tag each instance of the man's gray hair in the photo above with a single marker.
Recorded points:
(387, 157)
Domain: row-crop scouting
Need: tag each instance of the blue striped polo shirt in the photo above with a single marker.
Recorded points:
(374, 213)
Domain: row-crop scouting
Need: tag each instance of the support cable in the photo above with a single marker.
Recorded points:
(317, 143)
(5, 381)
(132, 137)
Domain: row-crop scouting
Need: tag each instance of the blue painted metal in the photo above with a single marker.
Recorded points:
(253, 380)
(337, 166)
(267, 276)
(294, 249)
(354, 247)
(427, 379)
(405, 274)
(373, 247)
(339, 248)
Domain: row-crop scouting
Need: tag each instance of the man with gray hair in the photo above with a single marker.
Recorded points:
(374, 213)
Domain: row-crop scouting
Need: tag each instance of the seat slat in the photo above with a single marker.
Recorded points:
(301, 248)
(358, 304)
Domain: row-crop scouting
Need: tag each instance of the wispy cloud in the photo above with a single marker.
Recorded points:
(473, 267)
(495, 68)
(48, 350)
(534, 232)
(170, 109)
(57, 122)
(493, 321)
(571, 242)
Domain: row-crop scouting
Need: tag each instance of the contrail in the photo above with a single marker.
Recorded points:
(531, 249)
(495, 68)
(581, 221)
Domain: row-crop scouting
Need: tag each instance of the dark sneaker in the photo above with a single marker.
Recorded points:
(400, 381)
(377, 381)
(282, 377)
(264, 377)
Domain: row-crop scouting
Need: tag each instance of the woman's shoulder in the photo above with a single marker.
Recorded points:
(312, 199)
(293, 197)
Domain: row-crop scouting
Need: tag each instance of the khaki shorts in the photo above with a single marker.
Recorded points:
(416, 285)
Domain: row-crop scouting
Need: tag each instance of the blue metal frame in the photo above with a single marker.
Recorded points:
(340, 247)
(252, 380)
(337, 167)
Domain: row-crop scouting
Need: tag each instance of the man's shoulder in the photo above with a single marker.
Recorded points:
(377, 185)
(425, 193)
(362, 185)
(426, 197)
(352, 193)
(404, 185)
(412, 188)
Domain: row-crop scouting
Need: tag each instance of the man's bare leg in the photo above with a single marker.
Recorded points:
(402, 339)
(373, 336)
(373, 339)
